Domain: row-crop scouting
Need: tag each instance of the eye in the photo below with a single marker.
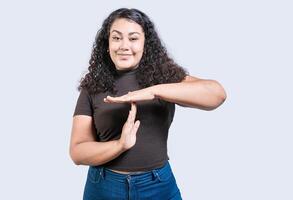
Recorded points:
(115, 38)
(132, 39)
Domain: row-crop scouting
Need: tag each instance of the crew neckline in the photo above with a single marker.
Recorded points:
(127, 71)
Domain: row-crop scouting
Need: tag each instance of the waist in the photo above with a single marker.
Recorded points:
(135, 176)
(123, 167)
(125, 172)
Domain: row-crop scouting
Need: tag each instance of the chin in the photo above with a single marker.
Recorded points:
(125, 66)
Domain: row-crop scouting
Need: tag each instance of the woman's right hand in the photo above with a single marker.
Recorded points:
(128, 135)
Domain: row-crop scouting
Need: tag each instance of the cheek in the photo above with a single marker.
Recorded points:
(113, 47)
(138, 48)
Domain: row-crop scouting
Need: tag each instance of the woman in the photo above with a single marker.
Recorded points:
(125, 108)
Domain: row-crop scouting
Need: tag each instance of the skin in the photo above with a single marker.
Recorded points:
(187, 93)
(127, 37)
(126, 44)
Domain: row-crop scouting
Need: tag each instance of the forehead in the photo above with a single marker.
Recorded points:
(125, 26)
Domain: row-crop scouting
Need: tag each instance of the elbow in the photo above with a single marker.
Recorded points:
(219, 97)
(214, 106)
(74, 157)
(219, 102)
(76, 162)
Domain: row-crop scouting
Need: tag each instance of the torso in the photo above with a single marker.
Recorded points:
(109, 120)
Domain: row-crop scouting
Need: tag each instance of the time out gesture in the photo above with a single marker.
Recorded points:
(191, 92)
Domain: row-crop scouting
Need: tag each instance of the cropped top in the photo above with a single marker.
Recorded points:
(156, 116)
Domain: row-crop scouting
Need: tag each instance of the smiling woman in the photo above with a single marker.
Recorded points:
(125, 108)
(126, 44)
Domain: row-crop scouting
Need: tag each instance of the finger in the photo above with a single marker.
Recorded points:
(135, 127)
(113, 99)
(131, 114)
(133, 107)
(131, 117)
(109, 99)
(106, 100)
(123, 98)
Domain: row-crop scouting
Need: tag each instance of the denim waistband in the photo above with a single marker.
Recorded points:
(145, 176)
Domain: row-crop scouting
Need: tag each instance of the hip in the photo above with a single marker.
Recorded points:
(159, 183)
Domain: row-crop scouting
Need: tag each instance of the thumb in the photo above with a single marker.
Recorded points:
(135, 127)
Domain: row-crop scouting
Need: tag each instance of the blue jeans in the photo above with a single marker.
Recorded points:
(105, 184)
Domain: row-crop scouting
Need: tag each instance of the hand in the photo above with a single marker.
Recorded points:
(128, 135)
(138, 95)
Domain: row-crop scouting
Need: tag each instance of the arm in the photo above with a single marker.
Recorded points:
(192, 92)
(84, 150)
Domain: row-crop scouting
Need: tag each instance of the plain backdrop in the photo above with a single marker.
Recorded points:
(240, 151)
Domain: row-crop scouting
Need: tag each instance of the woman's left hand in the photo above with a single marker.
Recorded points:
(134, 96)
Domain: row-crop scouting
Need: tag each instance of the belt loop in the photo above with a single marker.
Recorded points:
(102, 173)
(155, 173)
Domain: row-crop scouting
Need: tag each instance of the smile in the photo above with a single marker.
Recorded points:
(124, 54)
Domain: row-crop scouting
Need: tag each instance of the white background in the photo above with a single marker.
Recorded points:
(240, 151)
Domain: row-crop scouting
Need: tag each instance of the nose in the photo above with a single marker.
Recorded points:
(124, 45)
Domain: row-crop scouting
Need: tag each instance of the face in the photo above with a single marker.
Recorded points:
(126, 43)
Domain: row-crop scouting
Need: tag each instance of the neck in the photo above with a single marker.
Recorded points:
(127, 71)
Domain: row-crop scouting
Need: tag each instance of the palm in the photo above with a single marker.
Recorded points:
(128, 135)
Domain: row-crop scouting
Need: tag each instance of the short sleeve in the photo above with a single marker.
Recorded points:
(84, 104)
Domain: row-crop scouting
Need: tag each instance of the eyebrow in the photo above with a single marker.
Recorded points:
(131, 33)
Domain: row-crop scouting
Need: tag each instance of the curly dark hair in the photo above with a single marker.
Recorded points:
(155, 66)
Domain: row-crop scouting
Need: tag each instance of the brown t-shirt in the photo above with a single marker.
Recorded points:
(150, 149)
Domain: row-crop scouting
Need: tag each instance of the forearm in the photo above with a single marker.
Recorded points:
(95, 153)
(203, 94)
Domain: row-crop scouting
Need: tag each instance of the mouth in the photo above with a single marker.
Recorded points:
(124, 56)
